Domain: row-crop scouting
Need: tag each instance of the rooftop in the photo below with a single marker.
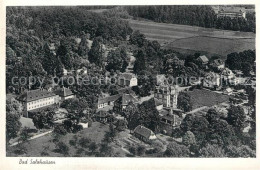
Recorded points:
(108, 99)
(32, 95)
(204, 58)
(63, 92)
(124, 99)
(217, 62)
(143, 131)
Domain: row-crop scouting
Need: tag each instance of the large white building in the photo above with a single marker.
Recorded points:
(35, 99)
(231, 12)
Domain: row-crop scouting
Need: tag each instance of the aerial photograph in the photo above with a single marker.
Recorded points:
(130, 81)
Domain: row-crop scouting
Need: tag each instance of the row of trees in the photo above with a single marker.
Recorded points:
(198, 15)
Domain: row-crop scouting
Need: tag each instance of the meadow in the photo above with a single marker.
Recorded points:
(191, 39)
(204, 97)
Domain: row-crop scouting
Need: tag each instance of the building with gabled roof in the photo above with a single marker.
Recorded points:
(144, 133)
(203, 59)
(35, 99)
(107, 101)
(64, 93)
(122, 102)
(169, 120)
(217, 64)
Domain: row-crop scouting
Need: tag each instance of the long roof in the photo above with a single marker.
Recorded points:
(35, 95)
(124, 99)
(108, 99)
(143, 131)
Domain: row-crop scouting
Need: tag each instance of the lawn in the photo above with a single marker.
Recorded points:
(185, 38)
(95, 133)
(203, 97)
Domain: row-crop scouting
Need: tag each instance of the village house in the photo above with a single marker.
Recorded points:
(169, 121)
(217, 64)
(228, 91)
(144, 133)
(203, 60)
(127, 79)
(107, 101)
(35, 99)
(64, 93)
(212, 80)
(167, 95)
(123, 101)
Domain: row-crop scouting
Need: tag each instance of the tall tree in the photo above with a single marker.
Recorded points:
(236, 117)
(96, 53)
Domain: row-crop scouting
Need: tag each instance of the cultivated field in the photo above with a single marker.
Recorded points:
(190, 39)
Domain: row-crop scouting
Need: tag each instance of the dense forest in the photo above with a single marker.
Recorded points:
(203, 16)
(42, 41)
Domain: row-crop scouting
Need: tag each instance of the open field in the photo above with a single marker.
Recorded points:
(191, 39)
(205, 97)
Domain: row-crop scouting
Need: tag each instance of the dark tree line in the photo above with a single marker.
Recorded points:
(197, 15)
(243, 61)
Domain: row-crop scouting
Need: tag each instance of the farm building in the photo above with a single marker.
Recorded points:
(144, 133)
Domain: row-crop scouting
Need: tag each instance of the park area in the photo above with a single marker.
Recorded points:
(184, 38)
(204, 97)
